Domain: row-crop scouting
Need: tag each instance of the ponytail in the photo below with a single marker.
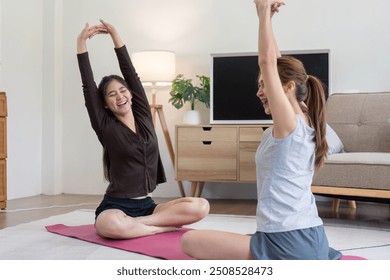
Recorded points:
(315, 102)
(309, 89)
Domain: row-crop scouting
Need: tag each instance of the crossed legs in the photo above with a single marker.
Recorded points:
(168, 216)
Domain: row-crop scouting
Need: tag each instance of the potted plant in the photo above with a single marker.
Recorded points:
(184, 91)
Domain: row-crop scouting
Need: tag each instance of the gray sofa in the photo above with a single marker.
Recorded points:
(362, 170)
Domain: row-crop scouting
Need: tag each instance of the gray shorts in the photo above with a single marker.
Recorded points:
(302, 244)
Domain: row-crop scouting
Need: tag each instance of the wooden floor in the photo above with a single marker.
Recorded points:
(38, 207)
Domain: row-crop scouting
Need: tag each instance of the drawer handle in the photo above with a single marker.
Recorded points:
(207, 128)
(207, 142)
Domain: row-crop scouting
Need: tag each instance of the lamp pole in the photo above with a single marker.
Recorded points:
(159, 110)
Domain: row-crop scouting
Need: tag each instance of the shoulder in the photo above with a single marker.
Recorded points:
(302, 124)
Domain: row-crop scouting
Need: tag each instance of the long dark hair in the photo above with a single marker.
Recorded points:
(102, 88)
(310, 90)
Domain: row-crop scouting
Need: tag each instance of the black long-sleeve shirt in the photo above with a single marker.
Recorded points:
(135, 163)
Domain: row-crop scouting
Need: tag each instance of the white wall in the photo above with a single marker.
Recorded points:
(51, 146)
(22, 78)
(52, 97)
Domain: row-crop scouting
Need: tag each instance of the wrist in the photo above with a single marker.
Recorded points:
(118, 43)
(263, 10)
(81, 46)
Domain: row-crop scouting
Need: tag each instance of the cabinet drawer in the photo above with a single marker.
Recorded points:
(3, 104)
(251, 134)
(247, 168)
(207, 161)
(206, 133)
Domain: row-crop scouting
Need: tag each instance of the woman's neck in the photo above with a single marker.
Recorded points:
(128, 120)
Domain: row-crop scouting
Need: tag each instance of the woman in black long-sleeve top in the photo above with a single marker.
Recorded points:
(120, 116)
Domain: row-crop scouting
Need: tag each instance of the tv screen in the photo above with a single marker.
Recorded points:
(233, 80)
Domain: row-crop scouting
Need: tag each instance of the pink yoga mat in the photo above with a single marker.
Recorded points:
(351, 258)
(162, 245)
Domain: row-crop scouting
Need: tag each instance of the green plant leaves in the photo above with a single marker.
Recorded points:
(184, 91)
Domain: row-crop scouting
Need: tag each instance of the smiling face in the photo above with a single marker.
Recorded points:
(289, 90)
(262, 96)
(117, 98)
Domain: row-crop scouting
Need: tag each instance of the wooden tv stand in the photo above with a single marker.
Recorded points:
(216, 153)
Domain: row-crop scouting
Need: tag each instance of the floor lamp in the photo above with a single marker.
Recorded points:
(158, 69)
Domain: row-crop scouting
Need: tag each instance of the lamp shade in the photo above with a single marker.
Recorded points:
(155, 66)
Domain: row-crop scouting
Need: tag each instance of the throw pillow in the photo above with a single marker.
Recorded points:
(334, 142)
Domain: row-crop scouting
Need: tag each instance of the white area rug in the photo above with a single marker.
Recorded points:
(31, 240)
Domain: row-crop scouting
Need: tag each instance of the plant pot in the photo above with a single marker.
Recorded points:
(192, 117)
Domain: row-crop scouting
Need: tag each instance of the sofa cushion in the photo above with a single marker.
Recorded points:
(361, 120)
(355, 170)
(360, 158)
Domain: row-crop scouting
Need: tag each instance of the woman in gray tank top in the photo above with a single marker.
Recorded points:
(288, 225)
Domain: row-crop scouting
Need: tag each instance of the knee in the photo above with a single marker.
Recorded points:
(204, 206)
(201, 207)
(111, 224)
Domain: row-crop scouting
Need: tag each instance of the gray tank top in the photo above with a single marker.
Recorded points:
(284, 169)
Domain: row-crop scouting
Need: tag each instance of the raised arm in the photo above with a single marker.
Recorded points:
(93, 102)
(283, 114)
(274, 9)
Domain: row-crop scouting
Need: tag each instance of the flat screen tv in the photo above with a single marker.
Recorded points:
(233, 80)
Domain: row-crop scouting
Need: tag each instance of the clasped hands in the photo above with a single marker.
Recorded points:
(103, 28)
(274, 4)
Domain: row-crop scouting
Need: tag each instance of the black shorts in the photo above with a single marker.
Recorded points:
(131, 207)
